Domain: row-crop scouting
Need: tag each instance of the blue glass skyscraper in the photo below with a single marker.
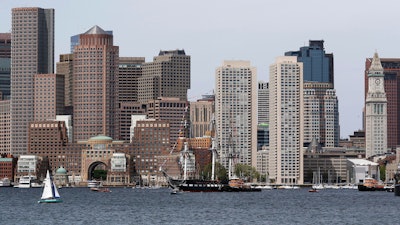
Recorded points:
(318, 66)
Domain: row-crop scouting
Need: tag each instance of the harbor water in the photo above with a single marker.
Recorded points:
(158, 206)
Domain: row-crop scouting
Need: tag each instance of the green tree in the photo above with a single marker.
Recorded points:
(246, 172)
(220, 172)
(100, 174)
(382, 172)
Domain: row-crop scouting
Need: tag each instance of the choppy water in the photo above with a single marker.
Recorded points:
(136, 206)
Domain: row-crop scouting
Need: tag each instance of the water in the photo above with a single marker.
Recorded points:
(137, 206)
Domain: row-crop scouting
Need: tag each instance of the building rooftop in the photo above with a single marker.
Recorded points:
(95, 30)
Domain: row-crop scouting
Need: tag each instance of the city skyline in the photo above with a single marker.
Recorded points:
(235, 30)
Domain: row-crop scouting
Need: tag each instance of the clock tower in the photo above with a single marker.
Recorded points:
(375, 111)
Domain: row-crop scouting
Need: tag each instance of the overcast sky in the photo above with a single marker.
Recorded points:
(211, 31)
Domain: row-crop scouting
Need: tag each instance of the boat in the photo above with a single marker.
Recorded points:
(50, 193)
(93, 183)
(371, 184)
(5, 182)
(397, 182)
(100, 189)
(26, 181)
(238, 185)
(313, 190)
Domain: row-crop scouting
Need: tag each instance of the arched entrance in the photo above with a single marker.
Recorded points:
(97, 166)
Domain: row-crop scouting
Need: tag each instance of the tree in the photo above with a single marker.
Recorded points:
(246, 172)
(220, 172)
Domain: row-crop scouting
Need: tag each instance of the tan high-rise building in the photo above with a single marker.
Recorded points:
(201, 115)
(66, 67)
(5, 122)
(95, 86)
(286, 121)
(32, 52)
(49, 96)
(236, 112)
(167, 76)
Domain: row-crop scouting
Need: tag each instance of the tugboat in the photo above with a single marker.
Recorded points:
(370, 184)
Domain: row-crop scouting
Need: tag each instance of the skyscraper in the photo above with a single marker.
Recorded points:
(391, 70)
(321, 112)
(263, 102)
(5, 65)
(286, 121)
(201, 115)
(167, 76)
(49, 96)
(317, 65)
(235, 104)
(66, 67)
(375, 111)
(95, 86)
(32, 52)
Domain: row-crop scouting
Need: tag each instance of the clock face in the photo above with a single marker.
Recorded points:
(377, 81)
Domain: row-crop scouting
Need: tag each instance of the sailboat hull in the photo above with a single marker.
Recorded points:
(54, 200)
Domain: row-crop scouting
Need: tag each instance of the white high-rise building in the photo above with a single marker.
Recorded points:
(286, 121)
(375, 111)
(235, 107)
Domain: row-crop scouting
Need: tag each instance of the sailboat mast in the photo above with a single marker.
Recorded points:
(213, 159)
(185, 161)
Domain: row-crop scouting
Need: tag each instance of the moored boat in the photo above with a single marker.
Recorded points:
(5, 182)
(100, 189)
(371, 184)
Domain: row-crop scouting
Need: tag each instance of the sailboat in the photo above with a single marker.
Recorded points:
(50, 193)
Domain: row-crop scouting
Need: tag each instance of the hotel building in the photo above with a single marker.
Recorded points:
(286, 121)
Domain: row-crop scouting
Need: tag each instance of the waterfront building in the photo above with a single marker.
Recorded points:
(235, 104)
(150, 141)
(31, 165)
(32, 37)
(375, 111)
(329, 164)
(263, 102)
(66, 68)
(100, 152)
(5, 65)
(95, 91)
(173, 110)
(201, 115)
(359, 169)
(5, 124)
(286, 121)
(7, 166)
(391, 71)
(167, 76)
(48, 96)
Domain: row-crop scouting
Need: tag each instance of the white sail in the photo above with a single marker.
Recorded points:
(47, 190)
(56, 194)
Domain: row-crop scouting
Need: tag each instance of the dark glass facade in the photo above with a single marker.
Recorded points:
(317, 65)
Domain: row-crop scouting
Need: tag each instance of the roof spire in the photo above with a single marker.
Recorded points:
(376, 66)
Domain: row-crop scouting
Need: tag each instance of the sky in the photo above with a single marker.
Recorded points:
(211, 31)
